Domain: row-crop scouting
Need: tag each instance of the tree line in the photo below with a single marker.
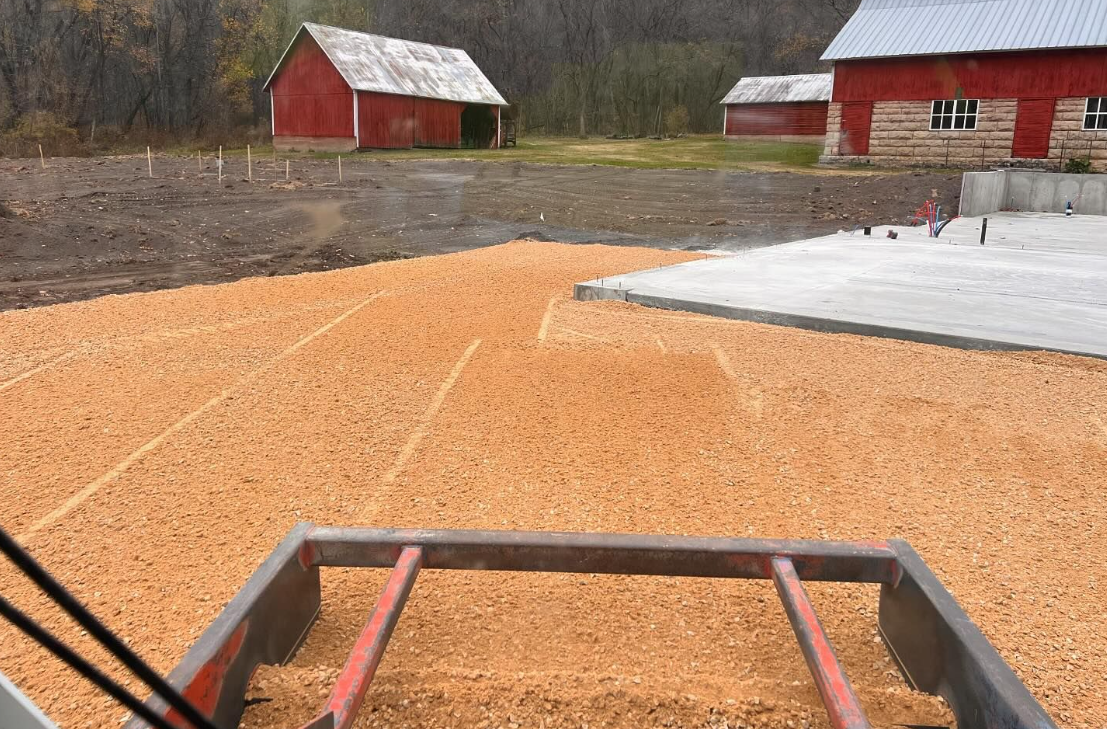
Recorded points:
(194, 68)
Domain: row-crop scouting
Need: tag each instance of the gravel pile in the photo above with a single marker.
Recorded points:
(154, 448)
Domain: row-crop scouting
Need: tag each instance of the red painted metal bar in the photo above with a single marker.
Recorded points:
(841, 703)
(361, 666)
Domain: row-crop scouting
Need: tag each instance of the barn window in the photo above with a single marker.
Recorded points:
(1095, 115)
(953, 115)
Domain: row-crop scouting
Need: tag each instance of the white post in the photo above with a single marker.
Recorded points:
(340, 168)
(199, 161)
(286, 170)
(41, 158)
(249, 164)
(220, 165)
(499, 126)
(357, 132)
(149, 162)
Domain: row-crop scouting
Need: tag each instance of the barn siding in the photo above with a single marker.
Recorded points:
(794, 119)
(437, 123)
(310, 97)
(857, 119)
(1036, 74)
(386, 121)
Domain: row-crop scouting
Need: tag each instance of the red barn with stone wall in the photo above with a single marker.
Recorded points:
(340, 90)
(1020, 82)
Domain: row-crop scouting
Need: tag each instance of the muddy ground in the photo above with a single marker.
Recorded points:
(86, 227)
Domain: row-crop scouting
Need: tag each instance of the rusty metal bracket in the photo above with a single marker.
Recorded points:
(935, 644)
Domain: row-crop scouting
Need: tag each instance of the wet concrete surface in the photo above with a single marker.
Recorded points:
(1038, 283)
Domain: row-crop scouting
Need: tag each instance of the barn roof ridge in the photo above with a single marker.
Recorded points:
(386, 37)
(893, 28)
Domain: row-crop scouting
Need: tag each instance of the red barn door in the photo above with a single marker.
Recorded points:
(385, 121)
(1033, 125)
(437, 123)
(857, 119)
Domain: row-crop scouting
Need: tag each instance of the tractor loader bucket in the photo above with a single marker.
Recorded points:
(937, 647)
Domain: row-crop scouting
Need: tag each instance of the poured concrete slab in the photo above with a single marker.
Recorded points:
(1036, 231)
(996, 297)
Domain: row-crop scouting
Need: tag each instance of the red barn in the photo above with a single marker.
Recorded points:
(970, 83)
(781, 107)
(340, 90)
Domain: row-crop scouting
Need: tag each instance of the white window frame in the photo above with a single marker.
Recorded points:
(1098, 117)
(954, 112)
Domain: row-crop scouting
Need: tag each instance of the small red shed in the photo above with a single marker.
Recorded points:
(341, 90)
(783, 107)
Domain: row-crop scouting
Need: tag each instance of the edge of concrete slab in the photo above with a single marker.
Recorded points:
(595, 291)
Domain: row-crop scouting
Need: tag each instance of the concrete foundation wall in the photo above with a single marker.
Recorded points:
(983, 193)
(314, 144)
(901, 136)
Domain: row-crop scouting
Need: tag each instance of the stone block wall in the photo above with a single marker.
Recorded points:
(901, 136)
(1070, 139)
(832, 146)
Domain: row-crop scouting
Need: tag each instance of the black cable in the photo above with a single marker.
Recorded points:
(100, 632)
(41, 636)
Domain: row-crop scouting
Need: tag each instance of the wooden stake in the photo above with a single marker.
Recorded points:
(249, 164)
(199, 161)
(220, 161)
(149, 162)
(340, 168)
(41, 158)
(286, 170)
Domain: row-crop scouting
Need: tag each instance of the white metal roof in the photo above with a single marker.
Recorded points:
(392, 66)
(882, 28)
(781, 89)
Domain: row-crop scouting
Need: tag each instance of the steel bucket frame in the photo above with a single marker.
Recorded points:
(937, 647)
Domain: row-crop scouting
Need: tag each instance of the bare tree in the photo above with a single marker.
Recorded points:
(567, 66)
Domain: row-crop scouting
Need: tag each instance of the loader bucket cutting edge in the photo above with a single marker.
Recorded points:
(933, 642)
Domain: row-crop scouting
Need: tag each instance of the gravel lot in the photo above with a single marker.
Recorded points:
(154, 448)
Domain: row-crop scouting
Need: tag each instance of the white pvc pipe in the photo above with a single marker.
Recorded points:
(357, 124)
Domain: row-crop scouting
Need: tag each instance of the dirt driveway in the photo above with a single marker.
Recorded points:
(86, 227)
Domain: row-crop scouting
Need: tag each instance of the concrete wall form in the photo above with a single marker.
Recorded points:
(984, 193)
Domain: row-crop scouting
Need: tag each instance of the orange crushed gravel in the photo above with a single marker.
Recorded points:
(154, 448)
